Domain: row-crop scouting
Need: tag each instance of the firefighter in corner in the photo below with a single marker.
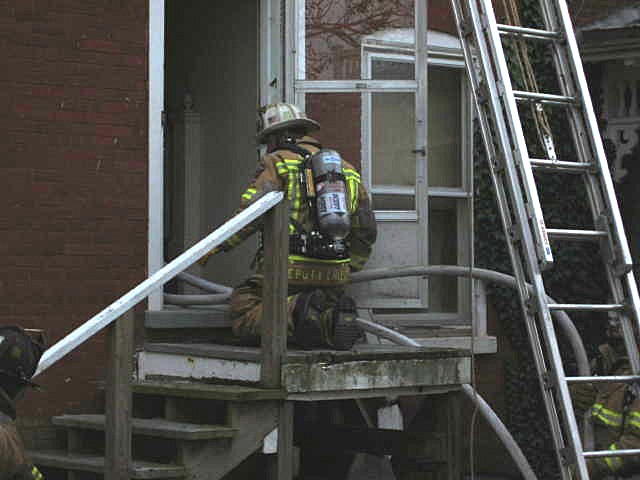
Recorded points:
(615, 411)
(19, 356)
(331, 232)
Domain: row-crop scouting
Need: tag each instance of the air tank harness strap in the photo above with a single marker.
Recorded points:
(331, 176)
(305, 179)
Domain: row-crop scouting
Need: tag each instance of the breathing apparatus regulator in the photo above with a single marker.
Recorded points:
(326, 192)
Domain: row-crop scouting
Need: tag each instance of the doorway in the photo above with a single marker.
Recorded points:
(211, 95)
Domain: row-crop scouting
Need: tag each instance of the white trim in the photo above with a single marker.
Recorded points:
(349, 86)
(396, 216)
(155, 245)
(153, 364)
(393, 190)
(290, 57)
(269, 51)
(300, 33)
(446, 192)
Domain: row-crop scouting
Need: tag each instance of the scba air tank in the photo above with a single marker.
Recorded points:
(331, 194)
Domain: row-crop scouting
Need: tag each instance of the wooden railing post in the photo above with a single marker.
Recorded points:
(274, 313)
(118, 398)
(274, 327)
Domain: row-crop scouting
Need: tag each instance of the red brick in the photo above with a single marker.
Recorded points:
(23, 109)
(67, 116)
(64, 249)
(47, 91)
(120, 107)
(100, 45)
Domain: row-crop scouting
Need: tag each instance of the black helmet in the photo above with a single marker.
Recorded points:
(19, 357)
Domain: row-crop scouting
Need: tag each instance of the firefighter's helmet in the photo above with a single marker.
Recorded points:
(19, 356)
(282, 116)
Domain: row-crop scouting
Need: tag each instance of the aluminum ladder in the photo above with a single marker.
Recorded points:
(527, 236)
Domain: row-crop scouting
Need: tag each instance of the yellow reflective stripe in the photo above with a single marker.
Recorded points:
(614, 463)
(350, 172)
(294, 194)
(633, 419)
(299, 258)
(281, 168)
(249, 193)
(353, 182)
(35, 473)
(353, 195)
(606, 416)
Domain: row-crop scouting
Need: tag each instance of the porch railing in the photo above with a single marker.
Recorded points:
(119, 318)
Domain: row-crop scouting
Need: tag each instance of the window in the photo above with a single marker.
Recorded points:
(406, 127)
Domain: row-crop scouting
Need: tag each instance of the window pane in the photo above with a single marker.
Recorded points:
(443, 250)
(393, 202)
(335, 30)
(393, 137)
(339, 117)
(444, 141)
(392, 70)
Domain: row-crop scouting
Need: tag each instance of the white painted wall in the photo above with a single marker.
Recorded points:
(212, 52)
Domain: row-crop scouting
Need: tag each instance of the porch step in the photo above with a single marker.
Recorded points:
(93, 463)
(186, 389)
(153, 427)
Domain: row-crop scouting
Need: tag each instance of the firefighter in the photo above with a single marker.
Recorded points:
(615, 412)
(19, 356)
(331, 232)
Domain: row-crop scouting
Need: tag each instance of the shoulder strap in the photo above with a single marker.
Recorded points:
(295, 148)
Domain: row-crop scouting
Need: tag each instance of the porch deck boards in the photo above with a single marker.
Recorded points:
(358, 353)
(366, 370)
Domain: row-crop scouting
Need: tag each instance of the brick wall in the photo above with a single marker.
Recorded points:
(73, 152)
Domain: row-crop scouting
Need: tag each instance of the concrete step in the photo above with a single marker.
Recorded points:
(186, 389)
(93, 463)
(153, 427)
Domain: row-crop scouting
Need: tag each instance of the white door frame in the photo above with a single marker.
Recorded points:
(155, 247)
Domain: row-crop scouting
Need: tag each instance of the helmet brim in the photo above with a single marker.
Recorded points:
(306, 123)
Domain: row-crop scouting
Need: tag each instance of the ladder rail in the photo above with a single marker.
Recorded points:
(514, 184)
(610, 198)
(601, 194)
(543, 314)
(521, 212)
(516, 131)
(560, 20)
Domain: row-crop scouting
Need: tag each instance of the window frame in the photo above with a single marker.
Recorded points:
(296, 86)
(463, 194)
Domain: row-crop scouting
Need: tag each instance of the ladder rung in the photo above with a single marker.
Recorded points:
(544, 98)
(532, 33)
(563, 167)
(580, 235)
(611, 453)
(604, 379)
(591, 307)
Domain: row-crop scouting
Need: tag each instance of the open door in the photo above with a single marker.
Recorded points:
(212, 78)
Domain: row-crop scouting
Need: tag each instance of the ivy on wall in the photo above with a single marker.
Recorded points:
(575, 276)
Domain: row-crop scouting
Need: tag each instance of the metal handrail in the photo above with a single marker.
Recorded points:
(125, 303)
